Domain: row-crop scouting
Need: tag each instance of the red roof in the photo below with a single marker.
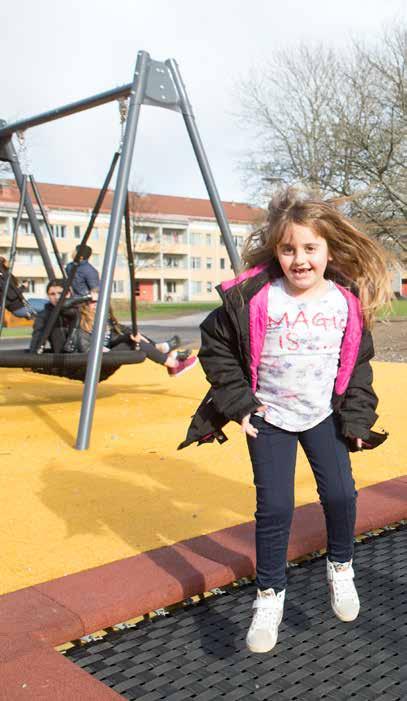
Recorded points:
(73, 197)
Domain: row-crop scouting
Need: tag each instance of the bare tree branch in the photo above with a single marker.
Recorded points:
(337, 122)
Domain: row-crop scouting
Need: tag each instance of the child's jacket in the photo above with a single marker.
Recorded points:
(86, 278)
(232, 342)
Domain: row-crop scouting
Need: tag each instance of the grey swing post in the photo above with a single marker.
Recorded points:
(154, 83)
(9, 154)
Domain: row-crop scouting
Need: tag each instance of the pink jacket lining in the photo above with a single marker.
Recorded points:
(258, 323)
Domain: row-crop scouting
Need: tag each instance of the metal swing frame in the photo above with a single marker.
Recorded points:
(154, 83)
(13, 249)
(69, 279)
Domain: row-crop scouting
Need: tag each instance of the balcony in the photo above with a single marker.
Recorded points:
(174, 241)
(175, 274)
(146, 262)
(146, 238)
(26, 271)
(147, 245)
(175, 261)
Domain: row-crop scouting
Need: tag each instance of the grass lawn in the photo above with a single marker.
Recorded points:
(145, 311)
(162, 310)
(398, 308)
(14, 331)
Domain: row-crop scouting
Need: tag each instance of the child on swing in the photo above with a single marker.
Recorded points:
(287, 356)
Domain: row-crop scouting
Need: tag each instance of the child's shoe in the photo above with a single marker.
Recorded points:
(183, 366)
(183, 354)
(268, 612)
(344, 597)
(173, 342)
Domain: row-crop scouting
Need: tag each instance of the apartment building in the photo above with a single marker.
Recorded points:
(179, 252)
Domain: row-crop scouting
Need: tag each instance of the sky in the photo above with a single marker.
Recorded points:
(59, 52)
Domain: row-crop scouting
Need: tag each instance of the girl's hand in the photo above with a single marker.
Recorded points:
(247, 427)
(356, 442)
(136, 338)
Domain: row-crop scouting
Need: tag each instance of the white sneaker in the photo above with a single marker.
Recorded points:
(344, 597)
(268, 612)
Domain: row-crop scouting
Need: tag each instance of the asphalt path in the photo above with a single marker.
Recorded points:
(186, 327)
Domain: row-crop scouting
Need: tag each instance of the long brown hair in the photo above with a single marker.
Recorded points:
(87, 316)
(356, 259)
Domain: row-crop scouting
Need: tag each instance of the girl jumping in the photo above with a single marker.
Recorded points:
(287, 356)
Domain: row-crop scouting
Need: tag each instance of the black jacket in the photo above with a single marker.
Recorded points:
(116, 335)
(15, 298)
(66, 322)
(225, 356)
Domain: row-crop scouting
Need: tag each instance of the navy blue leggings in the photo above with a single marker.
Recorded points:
(273, 454)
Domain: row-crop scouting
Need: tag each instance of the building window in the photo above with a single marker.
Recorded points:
(222, 263)
(238, 241)
(30, 285)
(147, 260)
(171, 236)
(142, 236)
(118, 286)
(95, 259)
(209, 239)
(195, 263)
(77, 232)
(25, 227)
(59, 230)
(95, 234)
(27, 256)
(196, 287)
(209, 263)
(171, 287)
(196, 239)
(209, 287)
(173, 261)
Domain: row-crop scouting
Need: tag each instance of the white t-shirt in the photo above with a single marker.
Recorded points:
(299, 360)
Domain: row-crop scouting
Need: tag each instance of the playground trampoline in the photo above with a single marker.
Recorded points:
(197, 650)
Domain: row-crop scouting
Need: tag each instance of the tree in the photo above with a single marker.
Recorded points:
(336, 122)
(146, 249)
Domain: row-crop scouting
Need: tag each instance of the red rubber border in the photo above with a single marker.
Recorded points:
(35, 619)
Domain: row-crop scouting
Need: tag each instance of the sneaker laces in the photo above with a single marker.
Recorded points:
(342, 581)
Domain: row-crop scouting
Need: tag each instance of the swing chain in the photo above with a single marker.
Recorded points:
(23, 153)
(123, 111)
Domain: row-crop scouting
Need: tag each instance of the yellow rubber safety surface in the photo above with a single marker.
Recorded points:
(63, 511)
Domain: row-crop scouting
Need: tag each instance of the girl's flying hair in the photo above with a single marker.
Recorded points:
(357, 260)
(88, 312)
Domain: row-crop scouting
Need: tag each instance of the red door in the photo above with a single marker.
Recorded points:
(146, 291)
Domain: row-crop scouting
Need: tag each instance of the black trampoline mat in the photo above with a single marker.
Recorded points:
(198, 651)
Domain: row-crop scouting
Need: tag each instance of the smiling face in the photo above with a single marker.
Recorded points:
(303, 256)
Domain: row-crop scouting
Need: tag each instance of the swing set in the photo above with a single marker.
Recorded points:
(154, 83)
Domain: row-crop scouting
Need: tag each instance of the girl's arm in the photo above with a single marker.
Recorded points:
(222, 362)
